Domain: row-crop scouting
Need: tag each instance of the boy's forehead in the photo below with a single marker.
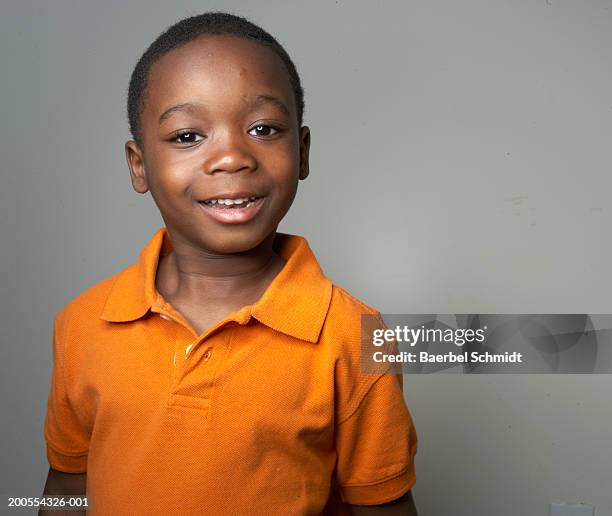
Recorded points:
(216, 68)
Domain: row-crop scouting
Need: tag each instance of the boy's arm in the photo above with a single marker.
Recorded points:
(403, 506)
(376, 445)
(60, 483)
(65, 431)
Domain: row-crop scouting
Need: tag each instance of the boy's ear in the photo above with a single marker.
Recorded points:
(304, 151)
(135, 161)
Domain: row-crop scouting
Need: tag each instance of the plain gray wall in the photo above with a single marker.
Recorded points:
(460, 163)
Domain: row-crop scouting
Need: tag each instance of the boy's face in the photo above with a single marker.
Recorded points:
(238, 142)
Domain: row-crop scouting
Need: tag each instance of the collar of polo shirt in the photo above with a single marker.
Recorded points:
(295, 303)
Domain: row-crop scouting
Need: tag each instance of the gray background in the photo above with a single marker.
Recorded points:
(460, 163)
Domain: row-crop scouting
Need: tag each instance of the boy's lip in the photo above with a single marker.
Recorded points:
(233, 215)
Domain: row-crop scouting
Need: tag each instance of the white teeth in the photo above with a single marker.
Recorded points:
(230, 202)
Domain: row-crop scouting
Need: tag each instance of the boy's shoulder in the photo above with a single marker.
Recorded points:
(343, 303)
(343, 334)
(346, 302)
(343, 300)
(89, 304)
(345, 318)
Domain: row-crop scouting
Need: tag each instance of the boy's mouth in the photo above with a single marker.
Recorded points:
(243, 202)
(235, 210)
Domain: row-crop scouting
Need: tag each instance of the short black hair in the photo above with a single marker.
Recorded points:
(188, 29)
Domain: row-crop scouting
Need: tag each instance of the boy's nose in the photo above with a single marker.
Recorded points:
(229, 154)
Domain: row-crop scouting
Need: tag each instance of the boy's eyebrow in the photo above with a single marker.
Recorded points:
(252, 103)
(257, 100)
(190, 107)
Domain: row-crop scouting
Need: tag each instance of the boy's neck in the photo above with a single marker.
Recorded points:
(190, 275)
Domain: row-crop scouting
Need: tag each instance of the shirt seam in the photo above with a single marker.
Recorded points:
(61, 352)
(382, 481)
(215, 378)
(367, 386)
(62, 452)
(361, 396)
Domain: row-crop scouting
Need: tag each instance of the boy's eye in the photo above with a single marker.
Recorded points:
(193, 137)
(187, 137)
(263, 130)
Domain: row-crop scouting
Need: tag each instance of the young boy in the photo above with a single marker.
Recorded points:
(220, 374)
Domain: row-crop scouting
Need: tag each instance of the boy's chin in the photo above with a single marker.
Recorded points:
(224, 243)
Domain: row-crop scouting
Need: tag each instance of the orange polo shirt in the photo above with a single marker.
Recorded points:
(256, 415)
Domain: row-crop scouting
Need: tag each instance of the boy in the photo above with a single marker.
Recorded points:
(220, 374)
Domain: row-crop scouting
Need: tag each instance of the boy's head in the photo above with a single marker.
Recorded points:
(215, 108)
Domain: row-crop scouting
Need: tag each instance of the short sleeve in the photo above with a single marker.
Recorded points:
(66, 438)
(376, 446)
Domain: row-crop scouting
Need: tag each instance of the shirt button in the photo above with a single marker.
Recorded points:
(164, 317)
(207, 355)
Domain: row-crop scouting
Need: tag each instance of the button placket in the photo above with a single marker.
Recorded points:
(197, 358)
(174, 355)
(200, 371)
(180, 365)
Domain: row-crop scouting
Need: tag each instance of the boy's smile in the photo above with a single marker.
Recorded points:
(222, 152)
(233, 207)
